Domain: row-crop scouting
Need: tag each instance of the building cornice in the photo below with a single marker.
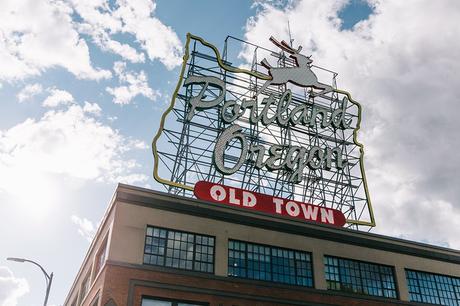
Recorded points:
(190, 206)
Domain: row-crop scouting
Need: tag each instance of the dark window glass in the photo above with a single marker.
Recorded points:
(267, 263)
(181, 250)
(74, 303)
(359, 277)
(433, 288)
(95, 302)
(86, 284)
(101, 256)
(162, 302)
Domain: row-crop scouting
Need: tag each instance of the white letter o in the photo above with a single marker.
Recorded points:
(292, 209)
(218, 193)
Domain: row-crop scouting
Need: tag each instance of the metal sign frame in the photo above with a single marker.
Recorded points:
(267, 78)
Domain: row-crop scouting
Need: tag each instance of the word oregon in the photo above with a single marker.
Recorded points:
(292, 158)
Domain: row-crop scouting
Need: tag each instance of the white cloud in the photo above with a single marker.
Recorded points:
(405, 75)
(36, 35)
(58, 97)
(37, 155)
(409, 213)
(103, 40)
(135, 83)
(134, 18)
(86, 228)
(11, 287)
(29, 91)
(132, 179)
(138, 144)
(158, 40)
(92, 108)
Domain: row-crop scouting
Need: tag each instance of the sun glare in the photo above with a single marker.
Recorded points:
(35, 193)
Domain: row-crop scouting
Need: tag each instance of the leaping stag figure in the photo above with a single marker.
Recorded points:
(302, 75)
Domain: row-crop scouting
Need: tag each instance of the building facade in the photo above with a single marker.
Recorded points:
(154, 248)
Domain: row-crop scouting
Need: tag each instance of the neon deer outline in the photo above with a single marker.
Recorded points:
(302, 75)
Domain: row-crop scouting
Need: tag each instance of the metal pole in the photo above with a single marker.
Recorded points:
(48, 287)
(48, 278)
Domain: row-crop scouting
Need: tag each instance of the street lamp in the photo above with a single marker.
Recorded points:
(48, 278)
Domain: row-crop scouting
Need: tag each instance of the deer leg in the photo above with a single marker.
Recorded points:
(326, 89)
(266, 84)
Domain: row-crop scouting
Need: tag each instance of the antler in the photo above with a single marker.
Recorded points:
(284, 46)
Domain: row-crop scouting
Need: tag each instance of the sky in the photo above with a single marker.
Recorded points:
(83, 84)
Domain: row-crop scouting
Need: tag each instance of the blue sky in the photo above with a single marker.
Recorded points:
(51, 236)
(83, 85)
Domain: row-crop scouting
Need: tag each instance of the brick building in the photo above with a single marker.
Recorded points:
(154, 248)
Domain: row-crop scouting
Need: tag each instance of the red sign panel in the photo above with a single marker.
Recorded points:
(268, 204)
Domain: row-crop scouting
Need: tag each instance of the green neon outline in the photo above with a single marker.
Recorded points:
(186, 56)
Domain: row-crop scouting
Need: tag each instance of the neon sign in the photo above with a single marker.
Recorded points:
(273, 129)
(254, 201)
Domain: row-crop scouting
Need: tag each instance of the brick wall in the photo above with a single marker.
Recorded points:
(126, 284)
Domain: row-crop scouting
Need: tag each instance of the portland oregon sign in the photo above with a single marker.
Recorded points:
(274, 136)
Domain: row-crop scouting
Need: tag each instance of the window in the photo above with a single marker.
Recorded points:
(359, 277)
(267, 263)
(101, 256)
(85, 287)
(433, 288)
(161, 302)
(175, 249)
(95, 301)
(74, 303)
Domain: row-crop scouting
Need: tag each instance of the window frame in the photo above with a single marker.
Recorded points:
(74, 301)
(101, 255)
(175, 302)
(393, 270)
(435, 283)
(96, 299)
(166, 248)
(85, 286)
(271, 263)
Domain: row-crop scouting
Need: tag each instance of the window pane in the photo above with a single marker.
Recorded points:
(260, 262)
(157, 302)
(433, 288)
(180, 250)
(359, 277)
(149, 302)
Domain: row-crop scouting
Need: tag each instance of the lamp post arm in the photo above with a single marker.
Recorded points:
(48, 278)
(41, 268)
